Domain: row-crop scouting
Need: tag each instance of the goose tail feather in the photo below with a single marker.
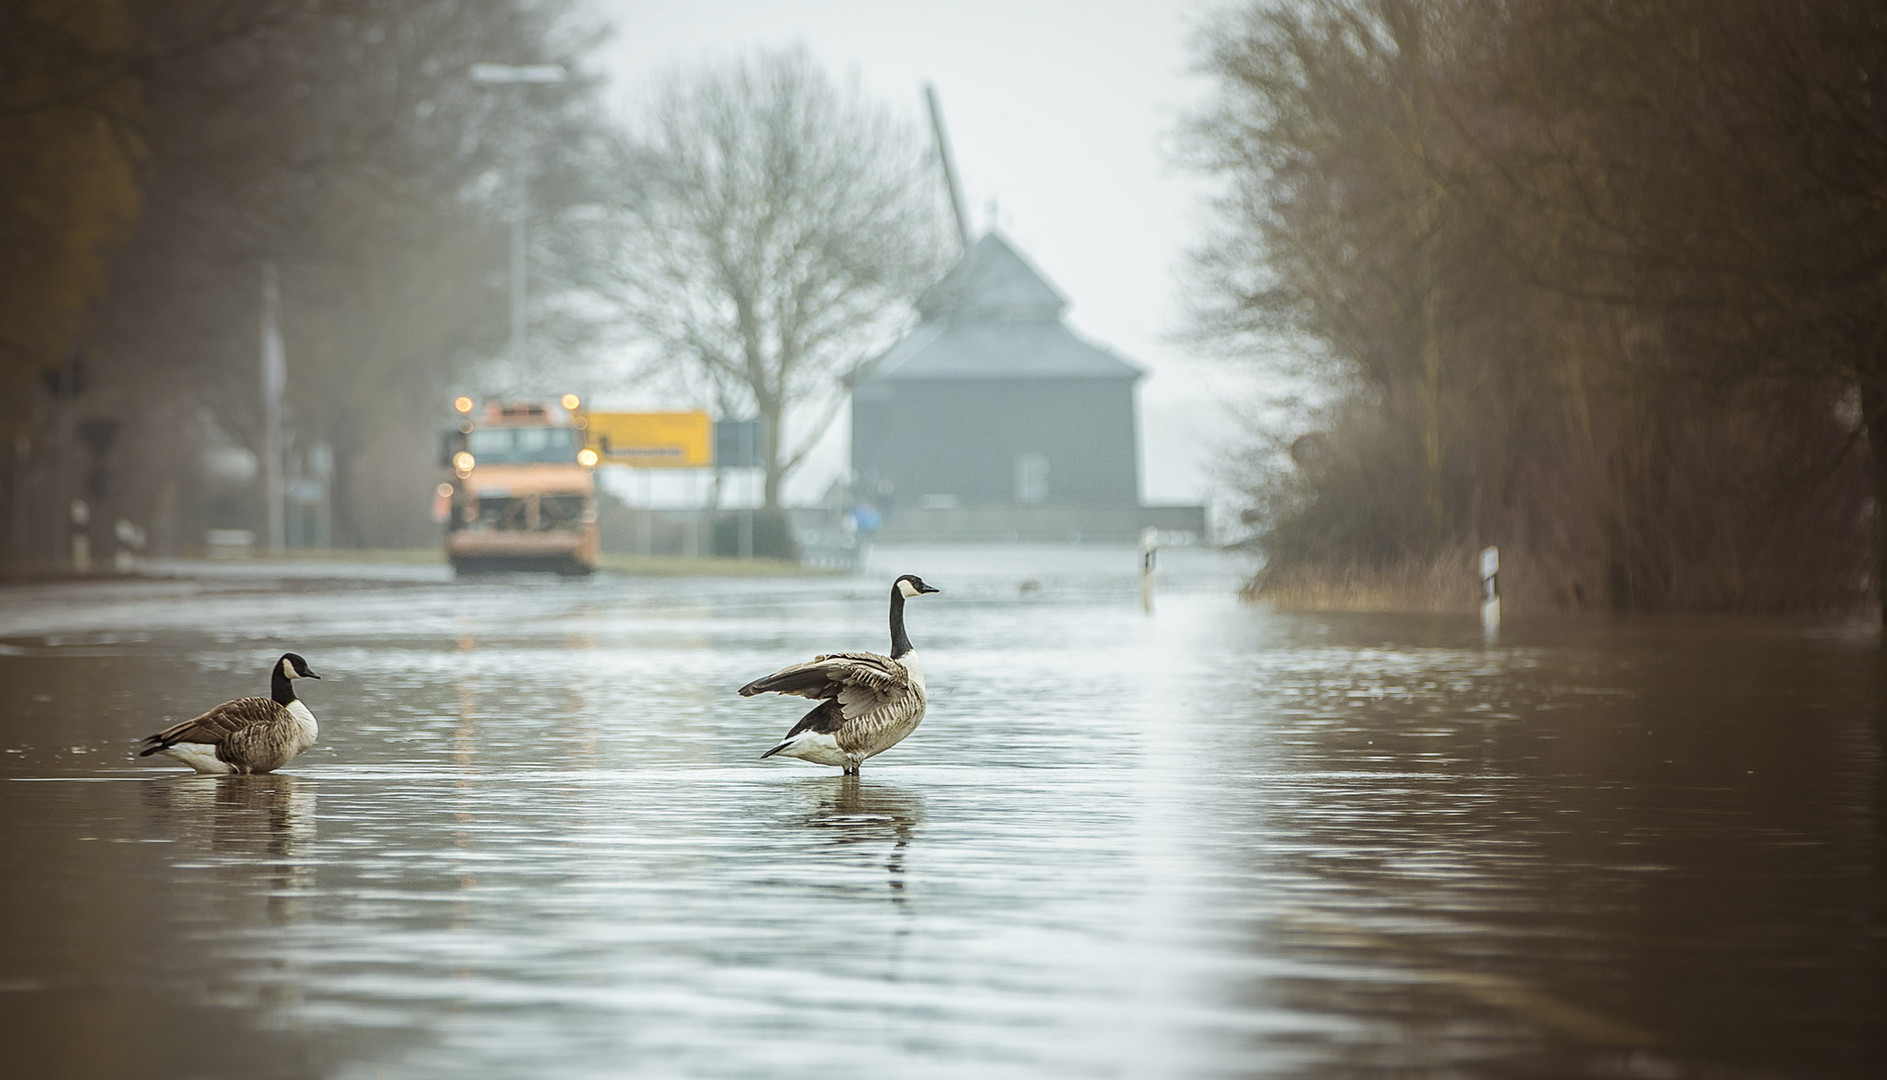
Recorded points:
(164, 739)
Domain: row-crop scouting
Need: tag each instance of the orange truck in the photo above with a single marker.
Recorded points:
(522, 489)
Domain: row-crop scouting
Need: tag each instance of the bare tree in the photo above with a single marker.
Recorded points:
(777, 229)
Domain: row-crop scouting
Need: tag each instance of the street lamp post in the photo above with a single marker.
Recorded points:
(518, 75)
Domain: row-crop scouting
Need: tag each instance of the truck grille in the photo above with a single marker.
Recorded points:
(501, 512)
(513, 513)
(560, 511)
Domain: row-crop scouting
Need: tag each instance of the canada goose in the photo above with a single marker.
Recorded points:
(867, 702)
(247, 735)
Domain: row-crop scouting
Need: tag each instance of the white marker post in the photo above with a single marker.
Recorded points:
(80, 516)
(1149, 546)
(124, 558)
(1490, 591)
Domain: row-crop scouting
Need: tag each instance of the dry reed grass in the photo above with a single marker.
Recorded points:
(1446, 583)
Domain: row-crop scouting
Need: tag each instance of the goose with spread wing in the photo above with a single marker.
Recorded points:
(867, 702)
(247, 735)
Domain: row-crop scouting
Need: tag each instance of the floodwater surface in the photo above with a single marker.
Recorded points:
(535, 839)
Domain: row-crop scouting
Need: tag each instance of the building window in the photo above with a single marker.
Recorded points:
(1032, 479)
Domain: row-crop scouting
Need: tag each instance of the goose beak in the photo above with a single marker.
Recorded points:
(312, 675)
(928, 588)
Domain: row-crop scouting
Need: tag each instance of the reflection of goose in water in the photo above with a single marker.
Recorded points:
(854, 812)
(268, 814)
(255, 826)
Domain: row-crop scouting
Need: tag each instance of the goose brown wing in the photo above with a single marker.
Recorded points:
(856, 679)
(873, 682)
(215, 726)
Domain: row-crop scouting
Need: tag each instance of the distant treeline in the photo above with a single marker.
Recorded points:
(1601, 281)
(157, 157)
(745, 243)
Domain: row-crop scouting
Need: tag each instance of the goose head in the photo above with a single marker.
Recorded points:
(294, 667)
(910, 585)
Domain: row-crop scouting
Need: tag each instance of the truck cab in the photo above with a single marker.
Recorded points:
(522, 489)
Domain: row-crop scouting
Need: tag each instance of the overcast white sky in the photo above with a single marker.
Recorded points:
(1062, 113)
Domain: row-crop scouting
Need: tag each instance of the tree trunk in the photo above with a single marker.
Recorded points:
(770, 412)
(1431, 413)
(1874, 408)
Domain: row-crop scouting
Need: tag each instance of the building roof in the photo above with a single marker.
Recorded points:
(991, 281)
(994, 317)
(987, 349)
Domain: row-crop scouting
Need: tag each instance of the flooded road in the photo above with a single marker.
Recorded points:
(535, 839)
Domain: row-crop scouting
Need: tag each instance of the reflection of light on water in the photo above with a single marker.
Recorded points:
(1529, 1002)
(1215, 842)
(465, 732)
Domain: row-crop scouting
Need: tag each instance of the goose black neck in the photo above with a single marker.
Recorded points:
(280, 687)
(899, 643)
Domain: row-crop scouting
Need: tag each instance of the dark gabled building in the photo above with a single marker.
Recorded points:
(992, 405)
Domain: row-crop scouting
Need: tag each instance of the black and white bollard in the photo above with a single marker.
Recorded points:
(1149, 547)
(130, 545)
(1490, 591)
(79, 516)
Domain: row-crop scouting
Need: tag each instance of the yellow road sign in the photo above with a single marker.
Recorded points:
(653, 440)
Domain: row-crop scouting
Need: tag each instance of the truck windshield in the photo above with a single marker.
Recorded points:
(524, 445)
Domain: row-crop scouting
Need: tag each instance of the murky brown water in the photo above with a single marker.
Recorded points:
(535, 840)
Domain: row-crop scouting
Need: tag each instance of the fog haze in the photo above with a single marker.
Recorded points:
(1062, 117)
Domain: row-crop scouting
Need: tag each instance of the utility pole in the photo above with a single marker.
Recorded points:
(520, 185)
(519, 75)
(67, 382)
(22, 445)
(274, 379)
(62, 465)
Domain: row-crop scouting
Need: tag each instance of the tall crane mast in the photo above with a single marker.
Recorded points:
(949, 164)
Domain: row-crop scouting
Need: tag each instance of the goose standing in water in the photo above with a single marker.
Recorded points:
(867, 702)
(247, 735)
